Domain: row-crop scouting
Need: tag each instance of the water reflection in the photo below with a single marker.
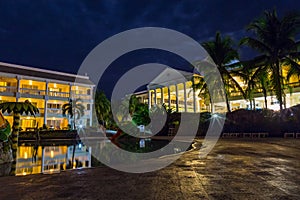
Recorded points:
(51, 159)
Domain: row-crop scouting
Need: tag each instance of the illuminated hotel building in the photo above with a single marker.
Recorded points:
(175, 91)
(48, 90)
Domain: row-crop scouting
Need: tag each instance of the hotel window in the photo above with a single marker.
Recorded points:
(88, 106)
(28, 123)
(35, 87)
(53, 105)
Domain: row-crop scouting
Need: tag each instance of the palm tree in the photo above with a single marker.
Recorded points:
(274, 39)
(223, 54)
(17, 108)
(74, 109)
(257, 80)
(102, 107)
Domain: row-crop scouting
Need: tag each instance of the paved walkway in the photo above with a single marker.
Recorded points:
(235, 169)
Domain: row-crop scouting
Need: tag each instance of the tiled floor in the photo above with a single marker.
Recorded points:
(235, 169)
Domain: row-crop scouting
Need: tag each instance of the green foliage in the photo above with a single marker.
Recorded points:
(141, 114)
(103, 108)
(74, 109)
(19, 107)
(274, 39)
(5, 131)
(223, 54)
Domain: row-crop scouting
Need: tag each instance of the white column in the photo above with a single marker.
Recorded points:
(149, 99)
(162, 95)
(177, 101)
(45, 104)
(70, 91)
(90, 156)
(18, 89)
(155, 101)
(194, 100)
(184, 93)
(169, 95)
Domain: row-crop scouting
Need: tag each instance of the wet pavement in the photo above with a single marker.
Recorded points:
(235, 169)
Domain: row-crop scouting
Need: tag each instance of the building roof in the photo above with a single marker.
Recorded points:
(43, 73)
(170, 76)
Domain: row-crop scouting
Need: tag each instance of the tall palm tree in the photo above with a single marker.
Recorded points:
(274, 39)
(223, 54)
(74, 109)
(102, 107)
(17, 108)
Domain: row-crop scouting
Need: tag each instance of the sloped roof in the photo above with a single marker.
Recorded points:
(170, 76)
(43, 73)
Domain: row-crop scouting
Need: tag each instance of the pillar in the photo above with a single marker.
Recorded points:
(184, 93)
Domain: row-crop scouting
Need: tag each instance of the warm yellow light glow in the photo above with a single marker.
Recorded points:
(30, 82)
(76, 87)
(27, 117)
(24, 173)
(25, 155)
(53, 118)
(52, 154)
(54, 85)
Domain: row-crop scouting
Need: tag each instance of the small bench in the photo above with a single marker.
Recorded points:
(289, 135)
(247, 135)
(255, 135)
(234, 134)
(225, 135)
(263, 135)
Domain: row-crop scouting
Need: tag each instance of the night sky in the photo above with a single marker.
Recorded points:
(58, 34)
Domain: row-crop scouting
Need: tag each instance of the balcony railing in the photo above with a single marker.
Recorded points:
(81, 96)
(59, 94)
(8, 89)
(56, 111)
(32, 91)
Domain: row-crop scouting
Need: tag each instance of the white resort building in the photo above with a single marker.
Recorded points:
(176, 92)
(48, 90)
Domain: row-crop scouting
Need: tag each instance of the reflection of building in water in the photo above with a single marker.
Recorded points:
(51, 159)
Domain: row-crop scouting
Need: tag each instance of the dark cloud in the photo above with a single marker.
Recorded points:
(59, 34)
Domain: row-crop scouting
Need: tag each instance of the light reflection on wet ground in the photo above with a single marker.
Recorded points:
(235, 169)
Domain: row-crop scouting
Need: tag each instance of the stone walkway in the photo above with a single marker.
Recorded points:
(235, 169)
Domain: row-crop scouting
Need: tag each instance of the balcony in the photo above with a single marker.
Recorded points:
(59, 94)
(54, 112)
(8, 89)
(32, 91)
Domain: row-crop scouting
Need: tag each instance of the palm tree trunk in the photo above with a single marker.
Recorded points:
(279, 86)
(228, 105)
(226, 96)
(265, 97)
(73, 155)
(15, 136)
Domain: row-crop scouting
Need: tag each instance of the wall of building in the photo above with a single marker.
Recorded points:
(49, 96)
